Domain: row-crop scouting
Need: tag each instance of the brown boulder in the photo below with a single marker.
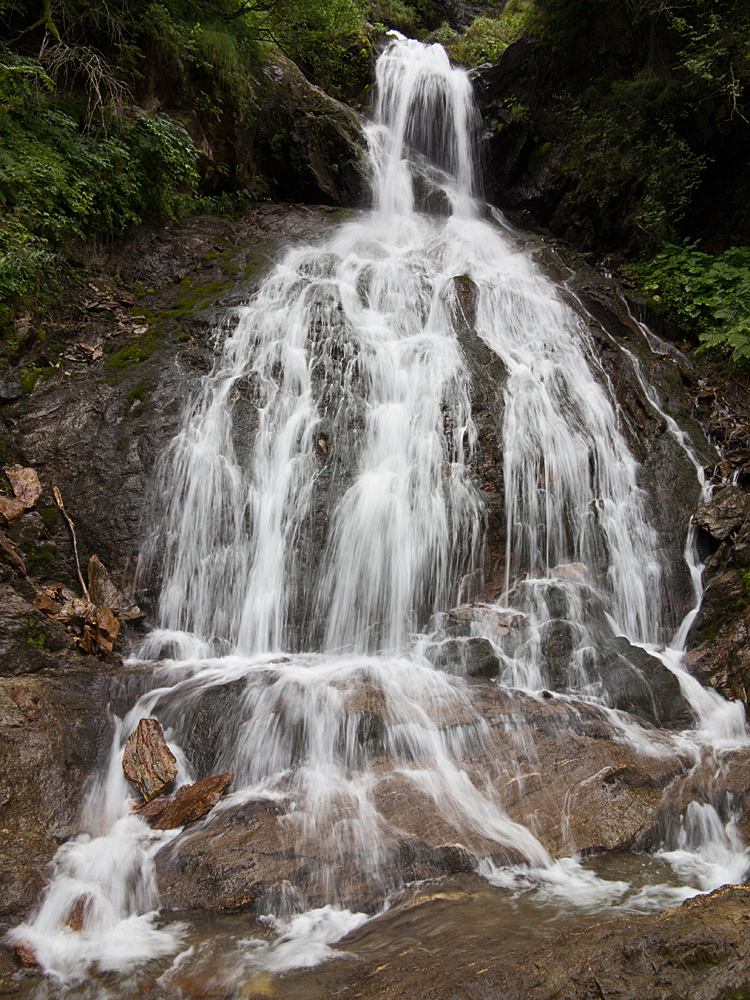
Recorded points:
(148, 763)
(101, 589)
(25, 484)
(193, 801)
(10, 510)
(26, 955)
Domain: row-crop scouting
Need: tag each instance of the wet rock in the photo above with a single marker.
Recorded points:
(25, 484)
(101, 589)
(466, 292)
(698, 949)
(55, 731)
(638, 683)
(10, 556)
(99, 626)
(10, 388)
(230, 865)
(148, 763)
(498, 622)
(10, 510)
(719, 639)
(29, 641)
(78, 915)
(554, 766)
(725, 513)
(26, 955)
(193, 801)
(558, 640)
(473, 657)
(575, 572)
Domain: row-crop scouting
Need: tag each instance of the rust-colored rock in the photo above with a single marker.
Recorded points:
(99, 626)
(25, 484)
(10, 510)
(152, 809)
(26, 955)
(148, 763)
(10, 556)
(77, 916)
(193, 801)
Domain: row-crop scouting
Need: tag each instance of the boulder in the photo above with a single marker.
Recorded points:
(473, 657)
(309, 143)
(193, 801)
(725, 513)
(101, 589)
(10, 510)
(24, 483)
(148, 763)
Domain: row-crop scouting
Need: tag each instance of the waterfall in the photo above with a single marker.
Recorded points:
(323, 514)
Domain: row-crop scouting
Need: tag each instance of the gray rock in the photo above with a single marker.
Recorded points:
(725, 513)
(10, 388)
(473, 657)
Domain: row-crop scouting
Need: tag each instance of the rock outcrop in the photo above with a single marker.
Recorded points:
(55, 732)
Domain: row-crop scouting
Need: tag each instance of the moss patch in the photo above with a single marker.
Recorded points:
(36, 636)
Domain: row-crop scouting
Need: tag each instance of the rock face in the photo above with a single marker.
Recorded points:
(29, 640)
(292, 140)
(148, 763)
(310, 144)
(55, 731)
(97, 431)
(725, 513)
(719, 637)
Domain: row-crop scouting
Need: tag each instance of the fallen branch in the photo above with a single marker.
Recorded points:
(64, 513)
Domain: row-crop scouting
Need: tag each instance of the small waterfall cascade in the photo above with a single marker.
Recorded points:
(323, 514)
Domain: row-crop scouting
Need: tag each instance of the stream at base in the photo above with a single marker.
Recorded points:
(419, 759)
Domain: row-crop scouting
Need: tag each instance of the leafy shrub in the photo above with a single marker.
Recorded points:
(624, 153)
(391, 14)
(488, 37)
(61, 181)
(709, 293)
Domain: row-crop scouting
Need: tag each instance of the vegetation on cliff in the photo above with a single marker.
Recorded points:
(624, 128)
(90, 143)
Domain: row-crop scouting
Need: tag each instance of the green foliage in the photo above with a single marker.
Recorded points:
(626, 146)
(392, 14)
(710, 295)
(326, 38)
(488, 37)
(61, 181)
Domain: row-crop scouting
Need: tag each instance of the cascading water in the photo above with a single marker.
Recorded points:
(321, 516)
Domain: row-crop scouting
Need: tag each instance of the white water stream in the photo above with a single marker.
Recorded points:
(322, 513)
